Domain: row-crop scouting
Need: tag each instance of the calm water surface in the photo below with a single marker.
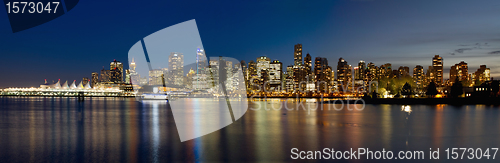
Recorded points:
(45, 129)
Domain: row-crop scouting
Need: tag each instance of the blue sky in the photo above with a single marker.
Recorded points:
(408, 33)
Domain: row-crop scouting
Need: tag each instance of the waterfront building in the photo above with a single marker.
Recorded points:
(437, 67)
(176, 68)
(85, 80)
(482, 74)
(95, 79)
(116, 71)
(419, 76)
(275, 73)
(127, 76)
(322, 74)
(156, 77)
(360, 74)
(263, 63)
(105, 76)
(343, 70)
(403, 71)
(297, 55)
(459, 71)
(308, 67)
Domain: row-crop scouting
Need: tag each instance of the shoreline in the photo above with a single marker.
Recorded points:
(426, 101)
(331, 100)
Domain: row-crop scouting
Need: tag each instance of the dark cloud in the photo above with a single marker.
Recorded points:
(462, 50)
(494, 52)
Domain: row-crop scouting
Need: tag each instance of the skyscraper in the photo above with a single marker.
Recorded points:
(132, 65)
(459, 71)
(156, 77)
(342, 71)
(85, 80)
(321, 73)
(308, 66)
(403, 71)
(116, 71)
(437, 64)
(95, 79)
(275, 72)
(371, 73)
(263, 63)
(201, 61)
(418, 76)
(105, 76)
(200, 79)
(482, 74)
(176, 68)
(297, 55)
(244, 69)
(361, 72)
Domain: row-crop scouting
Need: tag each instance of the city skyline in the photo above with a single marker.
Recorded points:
(373, 31)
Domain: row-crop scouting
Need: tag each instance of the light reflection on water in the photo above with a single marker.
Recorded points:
(115, 129)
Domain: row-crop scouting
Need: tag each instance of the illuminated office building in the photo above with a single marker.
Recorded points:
(482, 74)
(275, 72)
(263, 63)
(437, 67)
(95, 79)
(156, 77)
(459, 71)
(297, 55)
(419, 76)
(176, 68)
(116, 71)
(308, 67)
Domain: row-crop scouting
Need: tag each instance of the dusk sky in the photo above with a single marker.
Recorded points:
(401, 32)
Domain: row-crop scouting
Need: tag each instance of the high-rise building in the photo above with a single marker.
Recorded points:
(132, 65)
(403, 71)
(308, 66)
(322, 74)
(418, 76)
(263, 63)
(361, 72)
(482, 74)
(289, 70)
(343, 72)
(200, 79)
(95, 79)
(127, 76)
(253, 78)
(156, 77)
(386, 70)
(297, 55)
(275, 72)
(105, 76)
(244, 69)
(176, 68)
(229, 75)
(430, 75)
(85, 80)
(201, 61)
(298, 77)
(437, 64)
(116, 71)
(371, 73)
(459, 71)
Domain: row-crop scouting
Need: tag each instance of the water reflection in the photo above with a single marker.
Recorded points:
(123, 130)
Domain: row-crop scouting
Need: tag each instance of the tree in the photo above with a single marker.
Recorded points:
(431, 89)
(456, 89)
(406, 90)
(374, 94)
